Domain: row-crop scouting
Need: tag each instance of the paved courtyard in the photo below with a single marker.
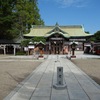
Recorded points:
(39, 84)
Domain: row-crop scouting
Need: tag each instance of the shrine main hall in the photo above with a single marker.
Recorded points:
(57, 37)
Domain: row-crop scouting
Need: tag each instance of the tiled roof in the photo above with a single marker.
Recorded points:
(6, 41)
(67, 31)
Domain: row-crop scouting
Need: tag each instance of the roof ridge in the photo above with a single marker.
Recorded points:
(62, 26)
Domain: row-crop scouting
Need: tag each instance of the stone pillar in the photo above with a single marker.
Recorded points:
(59, 75)
(60, 82)
(14, 49)
(4, 49)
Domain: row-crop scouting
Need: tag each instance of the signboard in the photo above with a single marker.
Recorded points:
(31, 46)
(56, 38)
(77, 39)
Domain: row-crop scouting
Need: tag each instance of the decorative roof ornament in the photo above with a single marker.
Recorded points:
(57, 24)
(56, 29)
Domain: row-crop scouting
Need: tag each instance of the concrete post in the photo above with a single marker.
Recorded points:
(60, 82)
(14, 50)
(59, 75)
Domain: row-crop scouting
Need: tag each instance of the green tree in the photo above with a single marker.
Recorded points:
(6, 18)
(17, 16)
(92, 39)
(25, 43)
(26, 14)
(87, 32)
(38, 39)
(97, 36)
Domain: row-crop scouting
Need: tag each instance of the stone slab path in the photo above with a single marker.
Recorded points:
(39, 84)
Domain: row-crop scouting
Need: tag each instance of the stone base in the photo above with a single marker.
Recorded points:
(73, 56)
(41, 57)
(59, 87)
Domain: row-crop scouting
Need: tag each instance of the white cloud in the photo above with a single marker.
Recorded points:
(69, 3)
(75, 3)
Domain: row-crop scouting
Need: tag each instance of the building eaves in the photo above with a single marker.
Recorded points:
(57, 32)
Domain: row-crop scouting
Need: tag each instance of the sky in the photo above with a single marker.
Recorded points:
(71, 12)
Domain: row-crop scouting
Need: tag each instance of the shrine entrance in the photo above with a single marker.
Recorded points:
(56, 46)
(55, 41)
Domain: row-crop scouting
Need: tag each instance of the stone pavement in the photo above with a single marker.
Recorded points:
(82, 55)
(39, 84)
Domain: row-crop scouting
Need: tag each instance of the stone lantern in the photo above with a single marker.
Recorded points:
(73, 47)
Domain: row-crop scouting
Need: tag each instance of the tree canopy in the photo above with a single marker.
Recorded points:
(38, 39)
(17, 16)
(96, 37)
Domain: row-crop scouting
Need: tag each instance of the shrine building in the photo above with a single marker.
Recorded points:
(57, 37)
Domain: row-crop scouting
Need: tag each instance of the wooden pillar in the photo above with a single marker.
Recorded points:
(49, 47)
(83, 46)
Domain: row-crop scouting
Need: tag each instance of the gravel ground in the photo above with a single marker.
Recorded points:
(90, 67)
(12, 72)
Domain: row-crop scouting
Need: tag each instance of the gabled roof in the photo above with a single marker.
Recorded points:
(57, 30)
(66, 31)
